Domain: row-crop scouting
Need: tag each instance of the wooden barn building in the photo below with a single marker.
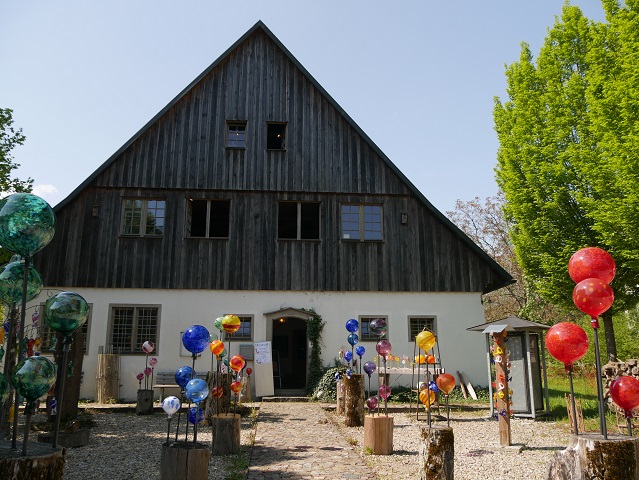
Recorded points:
(252, 192)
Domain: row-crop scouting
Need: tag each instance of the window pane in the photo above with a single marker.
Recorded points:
(198, 218)
(132, 217)
(147, 320)
(236, 135)
(219, 219)
(418, 324)
(155, 217)
(243, 333)
(287, 220)
(275, 133)
(310, 228)
(122, 329)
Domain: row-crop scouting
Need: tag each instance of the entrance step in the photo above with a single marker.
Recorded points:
(285, 399)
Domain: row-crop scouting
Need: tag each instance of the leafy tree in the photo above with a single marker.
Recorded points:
(564, 163)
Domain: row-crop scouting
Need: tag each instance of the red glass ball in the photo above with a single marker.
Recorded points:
(593, 296)
(567, 342)
(383, 347)
(446, 383)
(591, 262)
(236, 387)
(625, 393)
(237, 363)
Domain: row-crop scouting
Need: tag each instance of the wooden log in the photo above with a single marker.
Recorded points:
(145, 402)
(214, 406)
(340, 397)
(108, 378)
(378, 434)
(354, 400)
(40, 463)
(225, 434)
(436, 453)
(502, 391)
(590, 456)
(184, 461)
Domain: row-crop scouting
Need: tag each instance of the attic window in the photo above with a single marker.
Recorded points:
(236, 134)
(276, 136)
(362, 222)
(298, 221)
(208, 218)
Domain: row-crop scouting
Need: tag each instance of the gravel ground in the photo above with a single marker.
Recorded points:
(125, 446)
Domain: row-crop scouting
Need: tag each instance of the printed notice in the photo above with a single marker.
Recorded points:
(262, 352)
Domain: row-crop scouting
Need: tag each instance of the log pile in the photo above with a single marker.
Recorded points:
(612, 370)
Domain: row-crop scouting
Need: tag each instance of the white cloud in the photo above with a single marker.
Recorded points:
(44, 190)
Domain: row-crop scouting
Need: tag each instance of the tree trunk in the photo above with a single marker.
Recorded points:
(214, 406)
(225, 434)
(184, 461)
(41, 463)
(609, 331)
(590, 456)
(73, 377)
(378, 434)
(108, 377)
(354, 401)
(437, 453)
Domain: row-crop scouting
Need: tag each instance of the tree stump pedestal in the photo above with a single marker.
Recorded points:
(436, 453)
(225, 434)
(378, 434)
(184, 461)
(145, 402)
(354, 401)
(590, 456)
(339, 410)
(41, 462)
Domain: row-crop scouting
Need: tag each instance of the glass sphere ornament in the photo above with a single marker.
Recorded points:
(5, 387)
(360, 351)
(592, 262)
(231, 324)
(425, 340)
(353, 339)
(140, 376)
(625, 393)
(372, 403)
(430, 359)
(446, 382)
(352, 325)
(195, 339)
(183, 375)
(384, 392)
(196, 414)
(249, 370)
(197, 390)
(153, 361)
(148, 347)
(427, 397)
(237, 363)
(171, 405)
(27, 224)
(369, 368)
(216, 347)
(420, 359)
(66, 312)
(378, 327)
(223, 354)
(236, 387)
(567, 342)
(11, 280)
(433, 386)
(213, 337)
(348, 356)
(33, 377)
(593, 296)
(383, 347)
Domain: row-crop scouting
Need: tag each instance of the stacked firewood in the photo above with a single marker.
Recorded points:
(612, 370)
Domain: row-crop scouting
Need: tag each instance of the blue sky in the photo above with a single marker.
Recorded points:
(418, 76)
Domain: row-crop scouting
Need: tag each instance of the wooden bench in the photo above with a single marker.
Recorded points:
(166, 379)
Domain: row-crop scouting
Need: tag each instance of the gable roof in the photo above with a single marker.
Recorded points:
(504, 277)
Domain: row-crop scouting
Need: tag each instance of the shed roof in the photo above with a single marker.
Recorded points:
(516, 323)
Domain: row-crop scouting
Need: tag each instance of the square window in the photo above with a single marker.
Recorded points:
(362, 222)
(245, 332)
(131, 326)
(419, 324)
(236, 134)
(276, 136)
(298, 221)
(208, 218)
(137, 213)
(365, 335)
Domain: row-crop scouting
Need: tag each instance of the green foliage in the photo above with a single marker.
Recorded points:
(314, 329)
(326, 389)
(9, 139)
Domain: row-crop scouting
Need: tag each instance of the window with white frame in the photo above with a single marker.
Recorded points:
(48, 335)
(208, 218)
(143, 217)
(298, 221)
(417, 324)
(131, 326)
(245, 332)
(236, 134)
(361, 222)
(365, 334)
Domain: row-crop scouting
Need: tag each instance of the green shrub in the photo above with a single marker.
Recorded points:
(326, 390)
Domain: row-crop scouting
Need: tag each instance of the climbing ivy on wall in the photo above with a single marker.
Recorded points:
(314, 329)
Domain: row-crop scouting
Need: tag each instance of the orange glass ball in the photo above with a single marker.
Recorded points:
(216, 347)
(236, 387)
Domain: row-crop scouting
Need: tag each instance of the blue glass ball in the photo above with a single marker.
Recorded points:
(360, 351)
(196, 339)
(353, 339)
(193, 411)
(433, 386)
(352, 325)
(348, 355)
(11, 280)
(33, 377)
(66, 312)
(27, 224)
(197, 390)
(183, 375)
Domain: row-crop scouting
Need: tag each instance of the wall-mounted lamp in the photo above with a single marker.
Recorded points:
(95, 211)
(404, 218)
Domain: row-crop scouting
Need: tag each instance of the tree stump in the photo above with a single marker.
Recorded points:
(215, 406)
(378, 434)
(340, 397)
(354, 401)
(108, 381)
(184, 461)
(225, 434)
(145, 402)
(436, 453)
(41, 463)
(590, 456)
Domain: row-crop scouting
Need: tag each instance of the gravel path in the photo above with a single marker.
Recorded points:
(125, 446)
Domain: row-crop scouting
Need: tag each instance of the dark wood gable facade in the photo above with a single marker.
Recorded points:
(252, 178)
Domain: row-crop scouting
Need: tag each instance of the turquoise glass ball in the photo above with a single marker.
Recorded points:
(11, 279)
(66, 312)
(27, 224)
(33, 377)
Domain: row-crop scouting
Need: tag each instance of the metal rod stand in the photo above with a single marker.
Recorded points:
(572, 400)
(67, 340)
(602, 406)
